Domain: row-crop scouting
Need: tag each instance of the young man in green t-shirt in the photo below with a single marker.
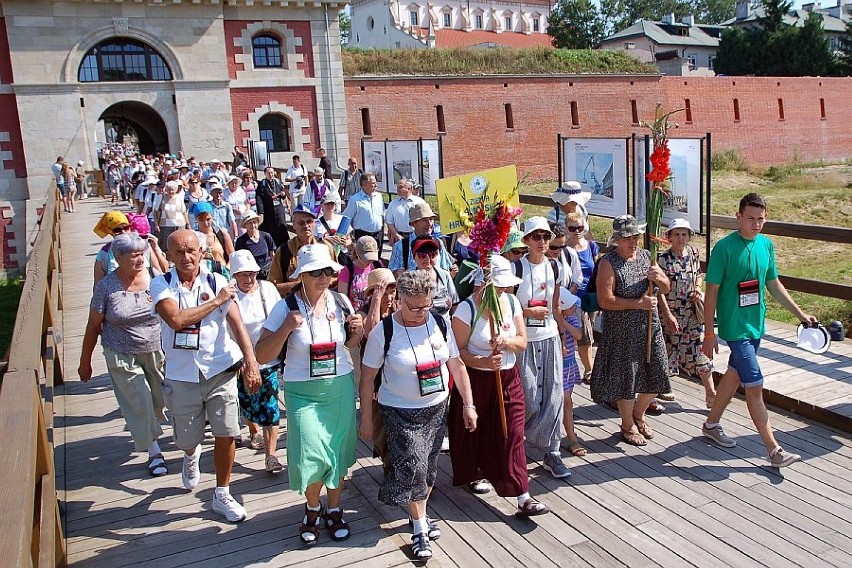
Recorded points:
(741, 268)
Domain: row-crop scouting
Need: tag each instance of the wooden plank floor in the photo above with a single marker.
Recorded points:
(679, 501)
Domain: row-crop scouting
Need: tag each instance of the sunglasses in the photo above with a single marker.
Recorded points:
(119, 230)
(518, 251)
(427, 254)
(328, 271)
(540, 236)
(556, 247)
(575, 229)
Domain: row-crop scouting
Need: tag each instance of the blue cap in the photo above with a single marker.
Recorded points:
(201, 207)
(302, 208)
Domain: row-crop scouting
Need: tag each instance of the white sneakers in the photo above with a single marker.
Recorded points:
(227, 506)
(190, 474)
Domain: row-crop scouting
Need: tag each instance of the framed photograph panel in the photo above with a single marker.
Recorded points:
(684, 200)
(375, 162)
(600, 165)
(402, 162)
(430, 164)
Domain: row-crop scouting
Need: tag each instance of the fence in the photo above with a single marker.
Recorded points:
(30, 526)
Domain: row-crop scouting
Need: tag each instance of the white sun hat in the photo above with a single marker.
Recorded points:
(314, 257)
(571, 191)
(502, 274)
(813, 337)
(534, 224)
(680, 223)
(243, 261)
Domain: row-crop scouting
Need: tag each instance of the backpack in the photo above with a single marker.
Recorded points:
(589, 301)
(406, 245)
(387, 325)
(293, 306)
(211, 280)
(519, 271)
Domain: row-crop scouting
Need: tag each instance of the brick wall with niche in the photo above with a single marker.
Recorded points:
(542, 107)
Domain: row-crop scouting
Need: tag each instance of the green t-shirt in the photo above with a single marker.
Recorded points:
(734, 260)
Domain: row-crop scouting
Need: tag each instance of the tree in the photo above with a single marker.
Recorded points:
(714, 11)
(575, 24)
(773, 14)
(844, 59)
(344, 22)
(620, 14)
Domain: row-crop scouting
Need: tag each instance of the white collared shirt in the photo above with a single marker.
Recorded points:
(366, 212)
(216, 351)
(398, 211)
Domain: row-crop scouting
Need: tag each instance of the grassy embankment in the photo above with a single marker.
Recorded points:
(494, 61)
(10, 295)
(816, 194)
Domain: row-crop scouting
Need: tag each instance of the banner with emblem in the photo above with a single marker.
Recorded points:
(459, 196)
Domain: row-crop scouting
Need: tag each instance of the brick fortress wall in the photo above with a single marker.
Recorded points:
(494, 121)
(12, 162)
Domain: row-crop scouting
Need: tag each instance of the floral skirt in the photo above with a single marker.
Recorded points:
(262, 406)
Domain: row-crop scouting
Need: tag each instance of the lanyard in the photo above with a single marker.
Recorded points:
(180, 298)
(309, 312)
(748, 250)
(428, 338)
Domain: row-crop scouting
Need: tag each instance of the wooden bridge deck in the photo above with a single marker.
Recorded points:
(679, 501)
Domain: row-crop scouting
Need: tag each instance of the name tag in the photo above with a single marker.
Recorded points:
(324, 359)
(429, 377)
(749, 293)
(532, 322)
(276, 202)
(187, 338)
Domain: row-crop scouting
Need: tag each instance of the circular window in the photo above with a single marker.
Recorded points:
(370, 23)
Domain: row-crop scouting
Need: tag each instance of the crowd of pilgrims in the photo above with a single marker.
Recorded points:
(256, 291)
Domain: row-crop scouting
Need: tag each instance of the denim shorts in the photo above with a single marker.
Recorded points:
(743, 360)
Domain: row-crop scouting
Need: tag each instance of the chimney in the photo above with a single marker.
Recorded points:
(743, 9)
(669, 19)
(688, 20)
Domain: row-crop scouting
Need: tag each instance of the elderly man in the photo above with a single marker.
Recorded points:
(367, 211)
(223, 212)
(202, 363)
(422, 220)
(270, 198)
(284, 259)
(397, 214)
(350, 180)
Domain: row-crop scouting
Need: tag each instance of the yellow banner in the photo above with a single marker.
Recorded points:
(459, 196)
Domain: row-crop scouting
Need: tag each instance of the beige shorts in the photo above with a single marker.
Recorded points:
(586, 327)
(213, 400)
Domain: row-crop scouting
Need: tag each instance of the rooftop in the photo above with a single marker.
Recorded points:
(669, 34)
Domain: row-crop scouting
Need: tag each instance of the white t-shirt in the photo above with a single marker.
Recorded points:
(293, 172)
(255, 308)
(574, 270)
(409, 347)
(398, 211)
(239, 202)
(320, 230)
(315, 329)
(539, 284)
(479, 342)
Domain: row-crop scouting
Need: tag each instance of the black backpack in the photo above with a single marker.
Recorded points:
(293, 306)
(519, 271)
(387, 325)
(211, 280)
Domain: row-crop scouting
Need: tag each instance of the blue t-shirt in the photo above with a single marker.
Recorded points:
(587, 262)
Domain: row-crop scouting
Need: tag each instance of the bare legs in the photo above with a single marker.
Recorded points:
(754, 401)
(223, 460)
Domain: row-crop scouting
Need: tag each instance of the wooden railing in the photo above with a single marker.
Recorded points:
(779, 229)
(30, 526)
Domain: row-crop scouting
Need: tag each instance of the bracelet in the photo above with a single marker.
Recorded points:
(466, 406)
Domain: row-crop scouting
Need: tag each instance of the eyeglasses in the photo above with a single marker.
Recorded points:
(416, 309)
(556, 247)
(575, 229)
(540, 236)
(328, 271)
(119, 230)
(427, 254)
(518, 251)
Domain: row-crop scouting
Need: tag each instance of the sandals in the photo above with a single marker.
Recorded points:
(420, 547)
(577, 449)
(532, 508)
(434, 530)
(256, 440)
(157, 465)
(633, 438)
(338, 529)
(643, 428)
(310, 527)
(587, 378)
(480, 487)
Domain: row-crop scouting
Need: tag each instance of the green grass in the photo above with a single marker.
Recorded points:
(493, 61)
(10, 296)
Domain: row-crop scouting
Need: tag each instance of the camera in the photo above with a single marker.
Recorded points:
(300, 182)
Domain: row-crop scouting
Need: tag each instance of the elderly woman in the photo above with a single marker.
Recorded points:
(486, 452)
(171, 215)
(416, 356)
(314, 326)
(620, 370)
(426, 250)
(120, 314)
(216, 242)
(236, 196)
(256, 299)
(116, 223)
(194, 194)
(684, 333)
(258, 243)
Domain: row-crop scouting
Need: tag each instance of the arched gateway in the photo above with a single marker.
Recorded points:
(132, 121)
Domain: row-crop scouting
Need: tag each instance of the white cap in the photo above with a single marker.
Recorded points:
(243, 261)
(314, 257)
(679, 223)
(534, 224)
(567, 300)
(815, 339)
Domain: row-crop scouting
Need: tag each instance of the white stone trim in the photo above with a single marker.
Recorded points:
(289, 58)
(297, 124)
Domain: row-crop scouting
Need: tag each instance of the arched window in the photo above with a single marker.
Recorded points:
(121, 59)
(266, 51)
(275, 131)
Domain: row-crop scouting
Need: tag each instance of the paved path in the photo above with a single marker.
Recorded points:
(676, 502)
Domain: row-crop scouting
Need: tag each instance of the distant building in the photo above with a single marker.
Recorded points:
(677, 48)
(452, 23)
(834, 18)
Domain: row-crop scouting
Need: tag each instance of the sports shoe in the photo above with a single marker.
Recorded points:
(445, 444)
(273, 465)
(783, 458)
(718, 435)
(190, 474)
(226, 506)
(553, 463)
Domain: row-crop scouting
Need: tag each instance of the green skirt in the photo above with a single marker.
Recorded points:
(321, 431)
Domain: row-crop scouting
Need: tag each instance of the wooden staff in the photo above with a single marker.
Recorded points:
(650, 335)
(499, 380)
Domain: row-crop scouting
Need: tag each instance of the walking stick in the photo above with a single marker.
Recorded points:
(499, 380)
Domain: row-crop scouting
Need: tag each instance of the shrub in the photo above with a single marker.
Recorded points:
(730, 160)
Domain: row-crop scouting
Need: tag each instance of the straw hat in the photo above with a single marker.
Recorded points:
(251, 216)
(379, 275)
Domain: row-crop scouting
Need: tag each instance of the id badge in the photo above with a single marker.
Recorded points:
(187, 338)
(276, 202)
(429, 377)
(749, 293)
(532, 322)
(324, 359)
